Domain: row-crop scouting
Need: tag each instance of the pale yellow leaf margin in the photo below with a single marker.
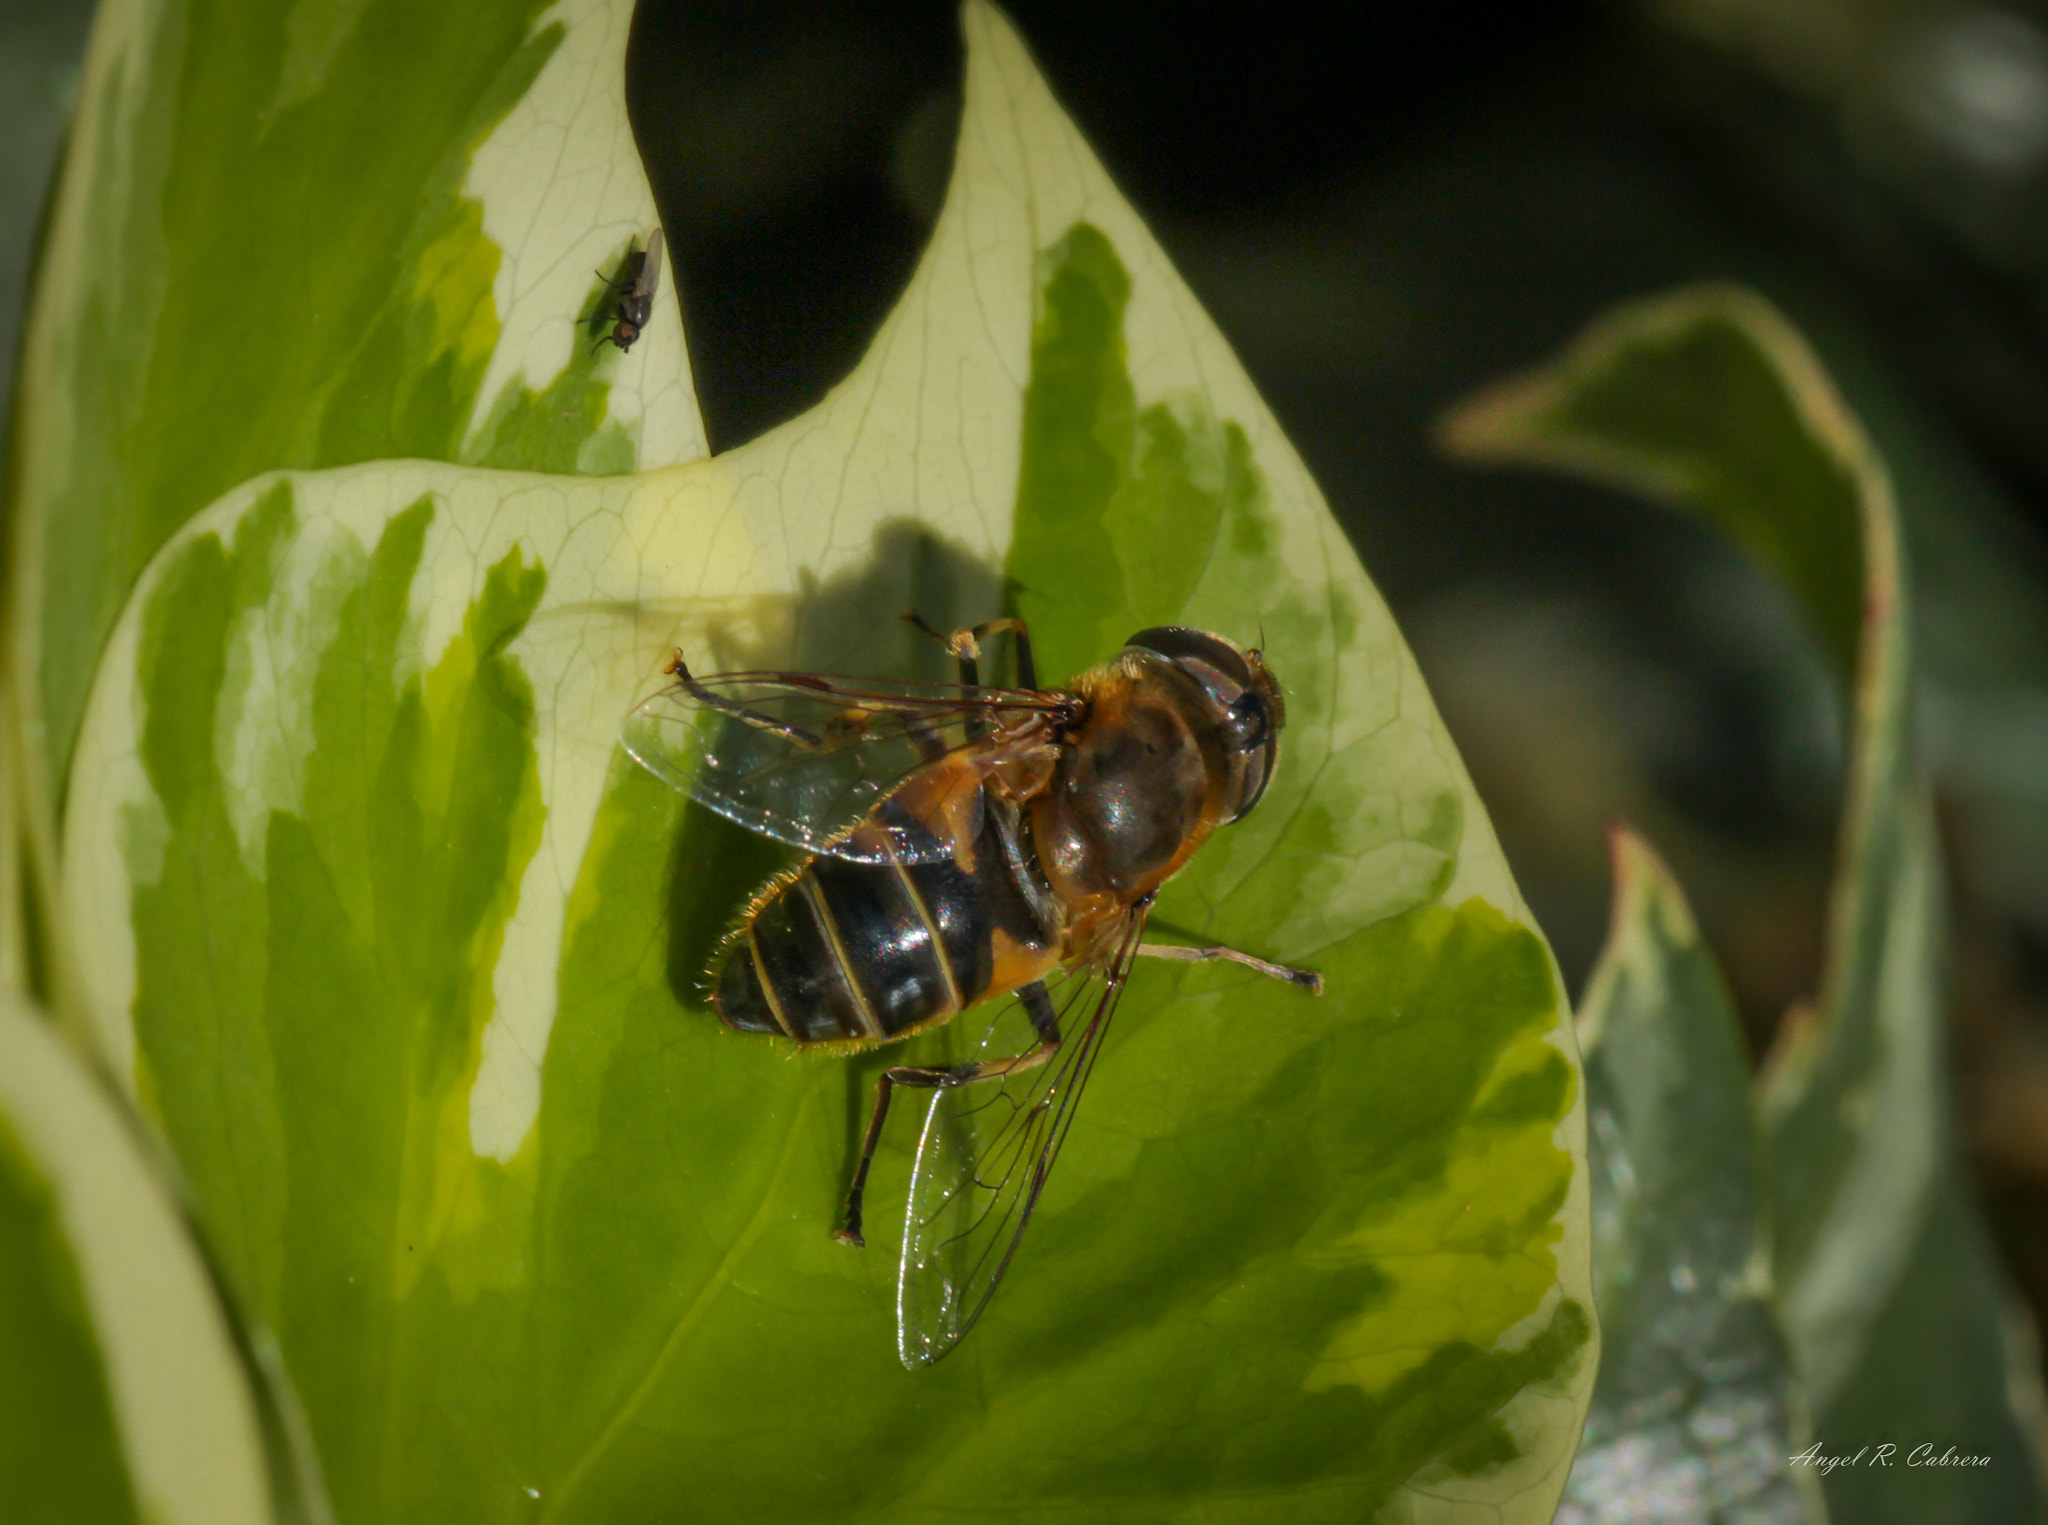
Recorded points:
(187, 1422)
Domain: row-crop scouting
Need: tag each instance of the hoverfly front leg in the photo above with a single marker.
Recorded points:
(965, 645)
(1307, 979)
(1045, 1021)
(1027, 667)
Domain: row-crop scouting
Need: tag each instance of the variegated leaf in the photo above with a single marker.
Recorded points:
(403, 955)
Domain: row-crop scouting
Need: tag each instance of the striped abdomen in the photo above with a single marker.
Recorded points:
(865, 952)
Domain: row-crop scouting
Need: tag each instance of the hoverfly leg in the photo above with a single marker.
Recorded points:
(1307, 979)
(966, 644)
(961, 644)
(713, 700)
(966, 653)
(1045, 1021)
(924, 626)
(1020, 635)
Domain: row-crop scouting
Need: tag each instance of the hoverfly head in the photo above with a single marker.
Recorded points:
(1244, 698)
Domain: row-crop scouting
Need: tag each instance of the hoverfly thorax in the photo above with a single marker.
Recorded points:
(1178, 737)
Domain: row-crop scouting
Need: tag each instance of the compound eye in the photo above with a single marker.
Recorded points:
(1183, 644)
(1249, 722)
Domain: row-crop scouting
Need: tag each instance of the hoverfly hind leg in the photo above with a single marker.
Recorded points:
(1044, 1020)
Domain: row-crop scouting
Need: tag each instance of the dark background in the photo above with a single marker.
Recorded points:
(1386, 215)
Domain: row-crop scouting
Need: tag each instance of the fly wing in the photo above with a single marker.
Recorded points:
(984, 1157)
(650, 268)
(806, 759)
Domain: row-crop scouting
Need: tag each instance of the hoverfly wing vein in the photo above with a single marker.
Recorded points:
(805, 759)
(974, 1188)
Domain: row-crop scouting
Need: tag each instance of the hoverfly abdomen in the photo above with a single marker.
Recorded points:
(738, 997)
(785, 975)
(854, 952)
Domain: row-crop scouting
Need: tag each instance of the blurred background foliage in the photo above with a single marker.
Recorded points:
(1384, 217)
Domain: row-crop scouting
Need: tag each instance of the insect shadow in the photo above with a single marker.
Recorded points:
(848, 624)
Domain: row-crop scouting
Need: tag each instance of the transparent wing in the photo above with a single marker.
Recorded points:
(807, 759)
(984, 1157)
(649, 278)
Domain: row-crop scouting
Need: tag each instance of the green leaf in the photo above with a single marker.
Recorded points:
(17, 971)
(308, 235)
(1696, 1414)
(402, 953)
(1708, 400)
(122, 1396)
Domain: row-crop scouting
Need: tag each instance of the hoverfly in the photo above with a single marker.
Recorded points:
(963, 843)
(629, 296)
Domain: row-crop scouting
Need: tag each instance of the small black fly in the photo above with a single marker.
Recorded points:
(629, 297)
